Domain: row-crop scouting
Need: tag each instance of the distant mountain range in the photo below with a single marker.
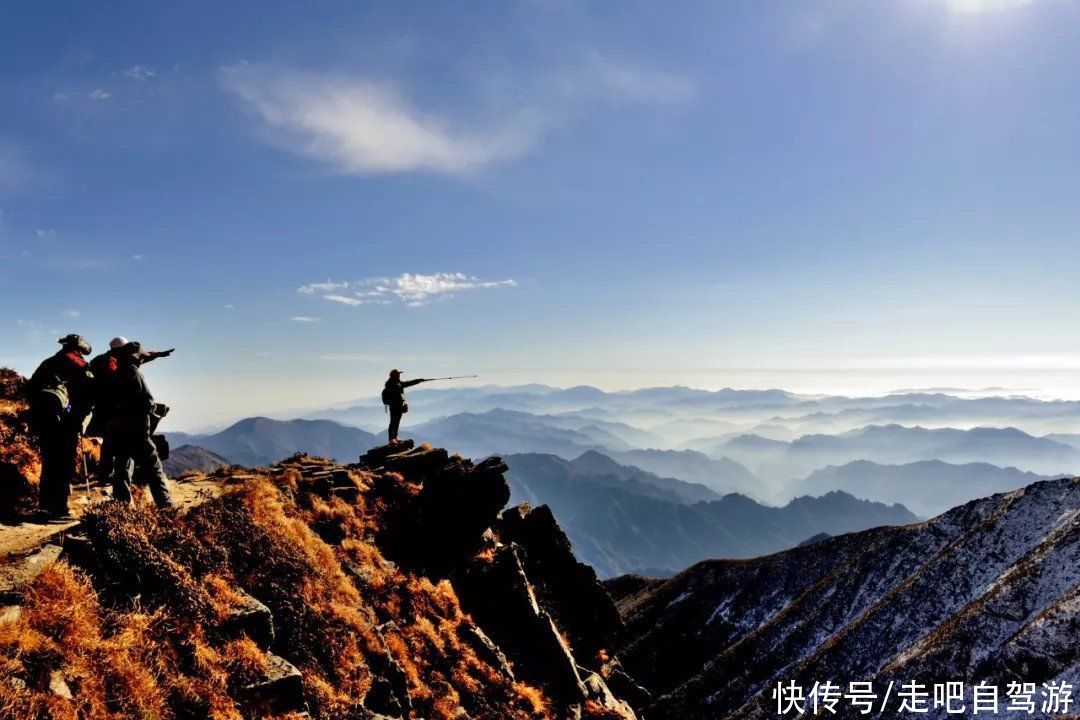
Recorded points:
(262, 441)
(927, 488)
(626, 520)
(897, 444)
(989, 591)
(593, 466)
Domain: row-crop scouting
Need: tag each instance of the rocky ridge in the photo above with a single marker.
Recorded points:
(393, 587)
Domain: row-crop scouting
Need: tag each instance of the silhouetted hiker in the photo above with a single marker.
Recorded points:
(393, 397)
(106, 367)
(61, 396)
(130, 428)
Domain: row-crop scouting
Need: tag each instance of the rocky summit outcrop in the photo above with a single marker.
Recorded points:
(987, 592)
(392, 587)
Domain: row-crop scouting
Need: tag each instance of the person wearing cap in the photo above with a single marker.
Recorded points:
(105, 368)
(393, 397)
(130, 428)
(61, 396)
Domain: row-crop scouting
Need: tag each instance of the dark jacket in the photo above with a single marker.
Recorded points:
(63, 383)
(106, 368)
(131, 401)
(394, 392)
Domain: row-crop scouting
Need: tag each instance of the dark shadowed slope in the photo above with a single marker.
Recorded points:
(987, 591)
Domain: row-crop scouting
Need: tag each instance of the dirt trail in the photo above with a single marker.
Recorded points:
(18, 540)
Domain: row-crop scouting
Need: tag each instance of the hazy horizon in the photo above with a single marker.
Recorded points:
(190, 414)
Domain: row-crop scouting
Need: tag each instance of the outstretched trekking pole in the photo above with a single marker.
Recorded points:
(455, 377)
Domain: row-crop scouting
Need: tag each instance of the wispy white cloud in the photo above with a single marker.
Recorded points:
(142, 73)
(322, 287)
(635, 83)
(72, 314)
(412, 289)
(99, 94)
(137, 257)
(45, 234)
(362, 125)
(344, 300)
(304, 319)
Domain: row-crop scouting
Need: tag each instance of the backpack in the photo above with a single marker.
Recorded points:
(388, 396)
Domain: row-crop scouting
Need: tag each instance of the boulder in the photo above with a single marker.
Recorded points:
(440, 528)
(280, 690)
(251, 618)
(376, 456)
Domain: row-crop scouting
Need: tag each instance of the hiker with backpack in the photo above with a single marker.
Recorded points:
(393, 397)
(106, 367)
(61, 396)
(131, 426)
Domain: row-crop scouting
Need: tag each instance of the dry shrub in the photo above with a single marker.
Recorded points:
(20, 464)
(116, 664)
(245, 660)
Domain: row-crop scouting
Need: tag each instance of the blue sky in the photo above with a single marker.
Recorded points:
(822, 195)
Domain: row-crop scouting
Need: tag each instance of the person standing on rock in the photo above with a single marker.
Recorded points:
(106, 367)
(130, 430)
(393, 397)
(61, 396)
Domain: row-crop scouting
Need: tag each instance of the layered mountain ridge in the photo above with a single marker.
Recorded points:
(987, 591)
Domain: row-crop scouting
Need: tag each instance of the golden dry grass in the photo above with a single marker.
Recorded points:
(163, 654)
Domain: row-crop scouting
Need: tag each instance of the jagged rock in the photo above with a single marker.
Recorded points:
(500, 598)
(16, 575)
(10, 614)
(252, 618)
(389, 692)
(376, 455)
(580, 604)
(349, 494)
(488, 651)
(624, 686)
(417, 462)
(443, 526)
(280, 690)
(600, 693)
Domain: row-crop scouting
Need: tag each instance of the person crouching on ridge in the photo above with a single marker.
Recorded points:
(61, 396)
(393, 397)
(106, 367)
(131, 428)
